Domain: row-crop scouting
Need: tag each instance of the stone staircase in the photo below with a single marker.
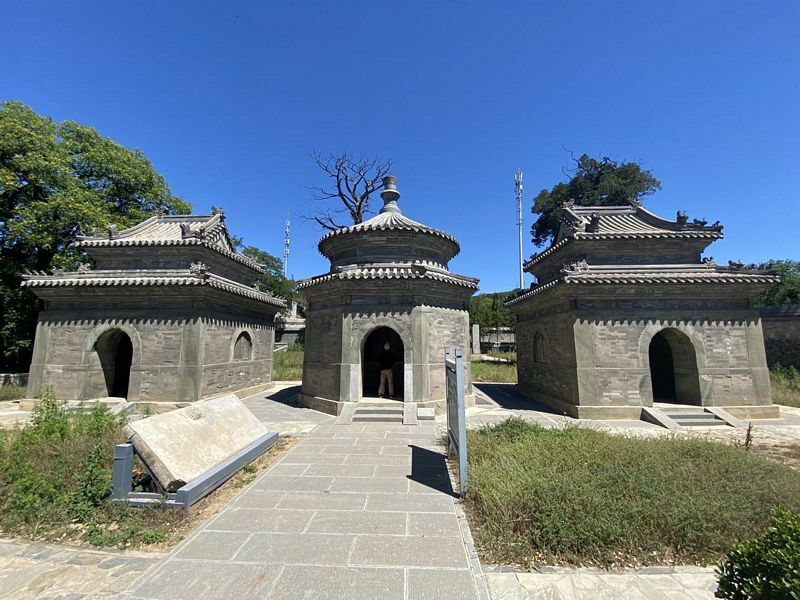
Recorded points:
(688, 416)
(378, 412)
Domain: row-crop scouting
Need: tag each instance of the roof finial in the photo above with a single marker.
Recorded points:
(390, 194)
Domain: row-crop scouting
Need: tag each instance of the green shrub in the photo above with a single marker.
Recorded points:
(55, 480)
(577, 495)
(766, 568)
(12, 392)
(785, 385)
(58, 467)
(288, 364)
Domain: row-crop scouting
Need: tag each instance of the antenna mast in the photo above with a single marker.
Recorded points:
(518, 187)
(286, 249)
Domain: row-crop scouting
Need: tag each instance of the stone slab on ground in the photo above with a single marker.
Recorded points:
(181, 445)
(29, 570)
(678, 583)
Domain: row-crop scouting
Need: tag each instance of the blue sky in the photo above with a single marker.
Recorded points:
(229, 99)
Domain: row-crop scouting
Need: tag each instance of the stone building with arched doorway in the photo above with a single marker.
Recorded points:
(625, 312)
(169, 314)
(389, 283)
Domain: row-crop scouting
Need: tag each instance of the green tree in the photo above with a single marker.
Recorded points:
(273, 280)
(593, 182)
(57, 179)
(488, 310)
(788, 290)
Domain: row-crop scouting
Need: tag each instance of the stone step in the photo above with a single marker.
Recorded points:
(390, 418)
(379, 411)
(682, 415)
(712, 422)
(426, 414)
(681, 408)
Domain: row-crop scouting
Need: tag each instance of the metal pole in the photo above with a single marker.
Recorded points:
(286, 249)
(518, 186)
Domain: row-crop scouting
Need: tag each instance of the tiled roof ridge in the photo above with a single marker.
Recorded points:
(582, 226)
(578, 274)
(212, 234)
(392, 271)
(197, 274)
(387, 221)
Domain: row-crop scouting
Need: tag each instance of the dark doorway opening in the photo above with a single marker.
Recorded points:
(115, 351)
(371, 366)
(673, 368)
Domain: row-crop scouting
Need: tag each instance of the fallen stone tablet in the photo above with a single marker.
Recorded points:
(181, 445)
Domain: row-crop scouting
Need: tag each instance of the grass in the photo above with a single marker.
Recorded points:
(580, 496)
(494, 372)
(785, 385)
(55, 479)
(12, 392)
(509, 356)
(288, 364)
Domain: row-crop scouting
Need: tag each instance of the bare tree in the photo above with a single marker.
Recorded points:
(353, 180)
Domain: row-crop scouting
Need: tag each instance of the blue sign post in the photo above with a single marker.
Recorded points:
(456, 416)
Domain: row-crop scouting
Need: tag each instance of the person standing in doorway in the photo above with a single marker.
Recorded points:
(386, 358)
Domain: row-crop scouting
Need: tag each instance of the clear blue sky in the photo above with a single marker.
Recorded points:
(228, 99)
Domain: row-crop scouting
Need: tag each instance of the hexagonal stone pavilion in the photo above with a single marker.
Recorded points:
(625, 312)
(169, 314)
(388, 283)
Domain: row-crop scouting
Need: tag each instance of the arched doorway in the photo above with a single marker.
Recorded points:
(371, 366)
(673, 368)
(115, 351)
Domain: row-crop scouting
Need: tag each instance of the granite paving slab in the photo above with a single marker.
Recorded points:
(320, 523)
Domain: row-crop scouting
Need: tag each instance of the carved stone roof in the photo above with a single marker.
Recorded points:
(706, 273)
(196, 275)
(624, 222)
(384, 271)
(174, 230)
(385, 221)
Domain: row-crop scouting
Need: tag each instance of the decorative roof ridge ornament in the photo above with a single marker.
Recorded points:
(216, 210)
(199, 269)
(390, 195)
(593, 225)
(575, 267)
(113, 231)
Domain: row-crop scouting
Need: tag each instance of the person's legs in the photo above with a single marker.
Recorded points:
(390, 377)
(382, 386)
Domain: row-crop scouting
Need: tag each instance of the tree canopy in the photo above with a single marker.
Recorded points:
(57, 179)
(273, 280)
(788, 290)
(592, 182)
(489, 310)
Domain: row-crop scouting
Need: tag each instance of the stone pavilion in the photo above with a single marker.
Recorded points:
(169, 314)
(625, 312)
(388, 282)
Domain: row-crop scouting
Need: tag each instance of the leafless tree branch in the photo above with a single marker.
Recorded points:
(352, 181)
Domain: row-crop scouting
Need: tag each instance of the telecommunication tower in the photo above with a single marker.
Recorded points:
(286, 249)
(518, 187)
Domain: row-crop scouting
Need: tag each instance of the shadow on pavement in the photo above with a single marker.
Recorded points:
(430, 469)
(506, 395)
(287, 396)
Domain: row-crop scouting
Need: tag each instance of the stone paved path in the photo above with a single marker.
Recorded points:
(29, 570)
(353, 511)
(657, 583)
